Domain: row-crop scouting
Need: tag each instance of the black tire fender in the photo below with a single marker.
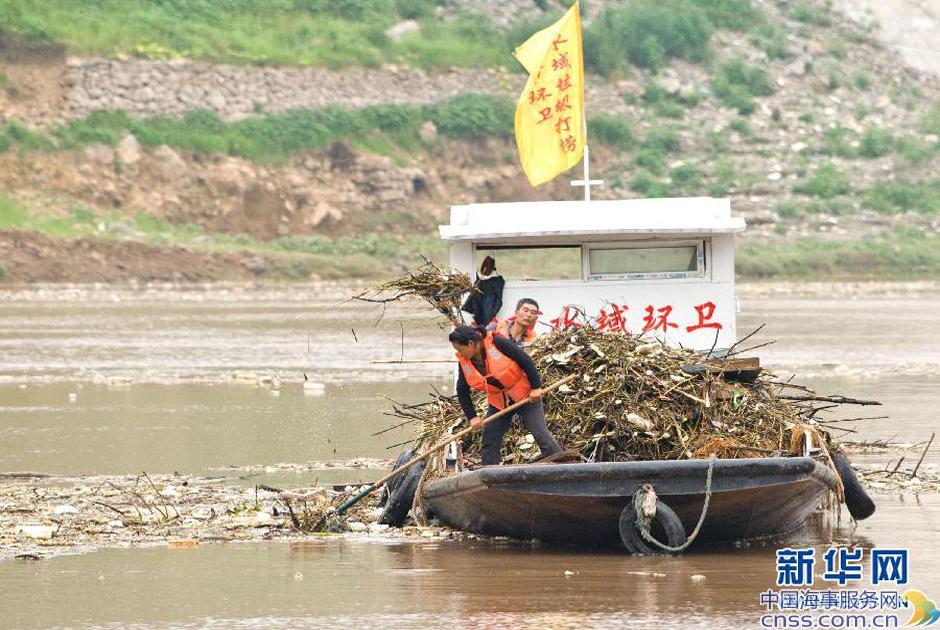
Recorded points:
(401, 499)
(857, 500)
(391, 484)
(667, 519)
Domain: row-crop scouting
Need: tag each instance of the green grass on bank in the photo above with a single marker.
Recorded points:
(273, 137)
(337, 33)
(369, 255)
(898, 254)
(332, 33)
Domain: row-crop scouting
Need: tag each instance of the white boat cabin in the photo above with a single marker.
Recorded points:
(659, 266)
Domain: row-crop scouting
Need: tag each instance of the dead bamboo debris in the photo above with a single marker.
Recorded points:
(638, 398)
(57, 515)
(892, 478)
(444, 290)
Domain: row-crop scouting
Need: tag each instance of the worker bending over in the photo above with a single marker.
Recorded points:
(498, 366)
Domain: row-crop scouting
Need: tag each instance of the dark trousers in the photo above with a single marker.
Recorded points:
(533, 419)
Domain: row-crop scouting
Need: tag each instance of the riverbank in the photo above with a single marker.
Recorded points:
(158, 252)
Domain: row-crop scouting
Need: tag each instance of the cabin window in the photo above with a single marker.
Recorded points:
(533, 263)
(636, 262)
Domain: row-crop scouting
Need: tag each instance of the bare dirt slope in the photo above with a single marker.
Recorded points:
(911, 27)
(34, 257)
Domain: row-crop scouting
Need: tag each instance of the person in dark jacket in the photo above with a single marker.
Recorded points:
(487, 297)
(498, 366)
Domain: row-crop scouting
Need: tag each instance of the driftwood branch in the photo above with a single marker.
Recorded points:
(841, 400)
(853, 419)
(110, 507)
(922, 455)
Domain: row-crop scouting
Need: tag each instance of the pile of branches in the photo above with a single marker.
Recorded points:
(639, 399)
(441, 289)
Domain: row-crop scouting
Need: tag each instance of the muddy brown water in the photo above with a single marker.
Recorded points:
(150, 374)
(352, 583)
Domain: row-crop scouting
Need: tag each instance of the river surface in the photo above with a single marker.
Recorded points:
(97, 381)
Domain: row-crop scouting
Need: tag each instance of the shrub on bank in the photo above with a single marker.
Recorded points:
(875, 143)
(736, 84)
(473, 115)
(610, 130)
(274, 136)
(837, 141)
(826, 182)
(901, 196)
(893, 254)
(645, 34)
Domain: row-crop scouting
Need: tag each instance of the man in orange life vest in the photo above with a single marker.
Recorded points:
(521, 326)
(498, 366)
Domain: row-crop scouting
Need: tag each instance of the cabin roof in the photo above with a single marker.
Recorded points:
(543, 221)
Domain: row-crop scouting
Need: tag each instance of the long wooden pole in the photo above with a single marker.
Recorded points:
(397, 361)
(359, 496)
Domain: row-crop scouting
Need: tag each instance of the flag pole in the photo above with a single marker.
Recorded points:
(587, 154)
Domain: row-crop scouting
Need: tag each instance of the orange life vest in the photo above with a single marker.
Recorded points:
(504, 327)
(499, 367)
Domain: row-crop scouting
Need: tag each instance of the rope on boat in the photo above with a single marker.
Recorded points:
(799, 433)
(646, 496)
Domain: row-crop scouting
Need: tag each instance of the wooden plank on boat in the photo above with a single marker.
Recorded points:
(741, 364)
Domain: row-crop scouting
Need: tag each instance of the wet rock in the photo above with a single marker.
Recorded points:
(357, 526)
(38, 532)
(28, 556)
(258, 519)
(765, 217)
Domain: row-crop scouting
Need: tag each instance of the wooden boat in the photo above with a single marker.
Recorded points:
(581, 504)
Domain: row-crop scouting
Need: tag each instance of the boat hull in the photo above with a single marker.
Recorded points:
(580, 504)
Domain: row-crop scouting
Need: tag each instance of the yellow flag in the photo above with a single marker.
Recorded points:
(550, 113)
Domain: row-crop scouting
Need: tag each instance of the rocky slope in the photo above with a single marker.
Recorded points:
(843, 122)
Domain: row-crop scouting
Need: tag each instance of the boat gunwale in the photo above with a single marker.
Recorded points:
(686, 477)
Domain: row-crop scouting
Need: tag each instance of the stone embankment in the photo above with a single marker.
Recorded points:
(173, 88)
